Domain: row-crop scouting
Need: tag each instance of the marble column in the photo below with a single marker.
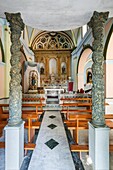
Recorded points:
(15, 92)
(97, 23)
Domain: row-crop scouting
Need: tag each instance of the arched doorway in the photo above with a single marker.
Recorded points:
(108, 71)
(85, 63)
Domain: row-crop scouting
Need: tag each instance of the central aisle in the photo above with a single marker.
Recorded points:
(52, 150)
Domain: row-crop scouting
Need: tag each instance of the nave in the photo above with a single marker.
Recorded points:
(52, 128)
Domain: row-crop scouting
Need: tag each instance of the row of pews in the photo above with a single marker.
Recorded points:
(32, 108)
(77, 113)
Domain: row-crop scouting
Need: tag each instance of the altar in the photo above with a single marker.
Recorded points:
(53, 92)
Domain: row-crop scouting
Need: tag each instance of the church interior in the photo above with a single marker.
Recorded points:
(56, 95)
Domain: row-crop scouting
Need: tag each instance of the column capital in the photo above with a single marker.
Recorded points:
(100, 17)
(15, 20)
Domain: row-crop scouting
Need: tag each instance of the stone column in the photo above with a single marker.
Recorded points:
(98, 131)
(15, 92)
(14, 131)
(97, 23)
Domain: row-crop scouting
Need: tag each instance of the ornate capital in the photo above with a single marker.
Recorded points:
(98, 17)
(15, 21)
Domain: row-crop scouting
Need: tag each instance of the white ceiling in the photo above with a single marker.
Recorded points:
(56, 15)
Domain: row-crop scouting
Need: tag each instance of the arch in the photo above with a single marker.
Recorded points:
(85, 62)
(108, 55)
(107, 42)
(88, 46)
(52, 40)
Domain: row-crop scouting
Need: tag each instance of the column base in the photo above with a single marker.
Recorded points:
(14, 146)
(99, 147)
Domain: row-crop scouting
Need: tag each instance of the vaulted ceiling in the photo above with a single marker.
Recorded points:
(52, 15)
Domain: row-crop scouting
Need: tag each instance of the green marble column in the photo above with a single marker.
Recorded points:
(97, 23)
(15, 92)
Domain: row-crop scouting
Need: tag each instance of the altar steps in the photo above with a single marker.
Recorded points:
(52, 101)
(52, 107)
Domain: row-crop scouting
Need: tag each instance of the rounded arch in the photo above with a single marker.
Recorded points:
(88, 46)
(107, 43)
(108, 55)
(52, 40)
(85, 62)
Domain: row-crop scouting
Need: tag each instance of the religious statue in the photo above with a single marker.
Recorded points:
(89, 77)
(33, 81)
(63, 70)
(42, 70)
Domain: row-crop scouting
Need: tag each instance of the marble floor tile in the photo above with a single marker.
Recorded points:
(52, 150)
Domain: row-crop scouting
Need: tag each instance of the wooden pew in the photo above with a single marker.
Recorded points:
(81, 122)
(28, 117)
(78, 122)
(38, 99)
(85, 148)
(73, 148)
(27, 114)
(27, 146)
(78, 102)
(38, 106)
(77, 99)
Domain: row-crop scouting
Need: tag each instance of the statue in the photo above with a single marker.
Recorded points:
(89, 77)
(42, 70)
(33, 81)
(63, 70)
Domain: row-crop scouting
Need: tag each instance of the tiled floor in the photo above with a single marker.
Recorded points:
(52, 149)
(83, 138)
